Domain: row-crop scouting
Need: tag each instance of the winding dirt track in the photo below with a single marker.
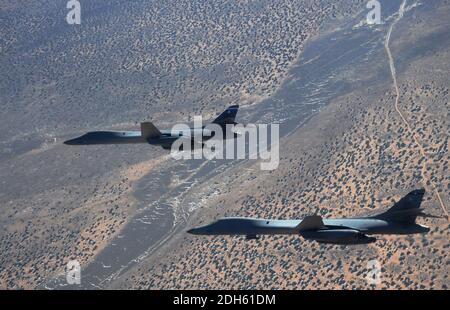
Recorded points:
(401, 11)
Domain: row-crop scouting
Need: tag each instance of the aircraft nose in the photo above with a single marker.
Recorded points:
(192, 231)
(71, 142)
(76, 141)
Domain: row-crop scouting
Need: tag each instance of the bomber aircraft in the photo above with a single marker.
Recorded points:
(399, 219)
(151, 135)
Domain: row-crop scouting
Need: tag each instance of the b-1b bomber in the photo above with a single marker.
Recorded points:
(399, 219)
(152, 135)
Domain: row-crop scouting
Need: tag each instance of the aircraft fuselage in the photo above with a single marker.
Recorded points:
(252, 226)
(132, 137)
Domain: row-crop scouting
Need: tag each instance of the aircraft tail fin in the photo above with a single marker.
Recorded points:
(406, 209)
(310, 222)
(148, 130)
(227, 116)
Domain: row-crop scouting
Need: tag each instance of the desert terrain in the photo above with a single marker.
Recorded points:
(353, 141)
(356, 156)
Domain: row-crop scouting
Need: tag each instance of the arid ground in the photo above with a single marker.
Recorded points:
(363, 111)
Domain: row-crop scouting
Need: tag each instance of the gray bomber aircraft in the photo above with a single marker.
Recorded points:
(151, 135)
(400, 219)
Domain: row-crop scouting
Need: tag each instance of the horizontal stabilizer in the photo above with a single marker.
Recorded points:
(410, 201)
(423, 214)
(310, 223)
(148, 130)
(228, 116)
(406, 209)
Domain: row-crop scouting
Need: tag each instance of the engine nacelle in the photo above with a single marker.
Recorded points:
(251, 237)
(338, 236)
